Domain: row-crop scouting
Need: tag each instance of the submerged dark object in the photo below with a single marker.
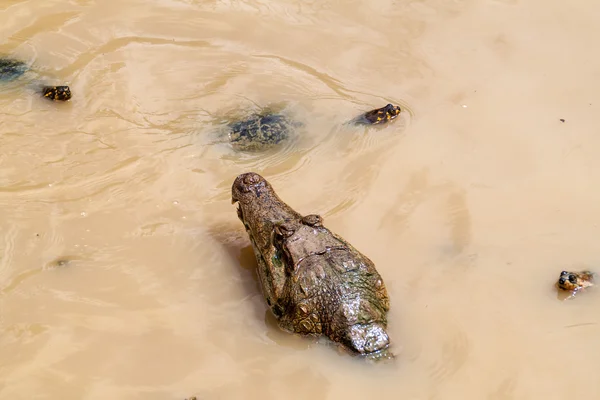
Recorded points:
(379, 116)
(12, 69)
(314, 282)
(261, 131)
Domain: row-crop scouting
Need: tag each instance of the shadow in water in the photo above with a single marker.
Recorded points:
(238, 248)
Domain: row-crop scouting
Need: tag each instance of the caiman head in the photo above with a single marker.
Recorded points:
(313, 281)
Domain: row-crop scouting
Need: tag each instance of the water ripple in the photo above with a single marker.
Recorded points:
(6, 260)
(455, 351)
(116, 44)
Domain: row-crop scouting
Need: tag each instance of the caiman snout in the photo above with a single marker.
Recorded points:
(243, 184)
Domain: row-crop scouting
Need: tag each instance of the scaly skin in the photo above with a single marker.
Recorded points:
(314, 282)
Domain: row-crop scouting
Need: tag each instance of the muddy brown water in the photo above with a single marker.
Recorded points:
(125, 273)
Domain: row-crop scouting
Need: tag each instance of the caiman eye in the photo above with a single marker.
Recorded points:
(561, 281)
(572, 279)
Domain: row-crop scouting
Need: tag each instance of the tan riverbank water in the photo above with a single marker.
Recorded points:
(125, 273)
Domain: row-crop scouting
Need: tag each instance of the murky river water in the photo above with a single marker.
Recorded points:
(125, 273)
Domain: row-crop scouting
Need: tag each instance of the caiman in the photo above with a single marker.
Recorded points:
(313, 281)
